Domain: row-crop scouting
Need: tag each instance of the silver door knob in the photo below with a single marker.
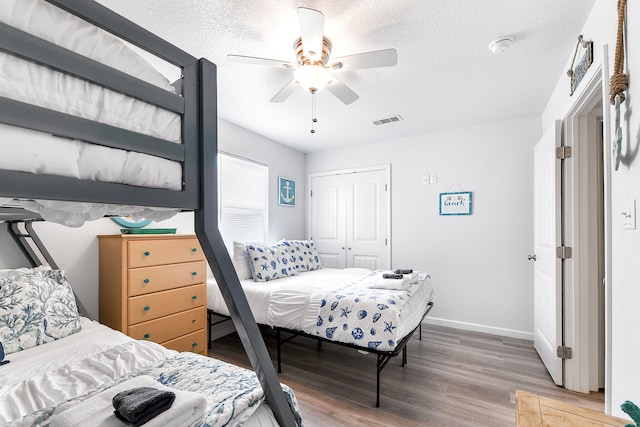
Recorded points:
(532, 257)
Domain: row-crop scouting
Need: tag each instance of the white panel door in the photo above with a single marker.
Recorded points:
(349, 219)
(328, 219)
(547, 282)
(367, 210)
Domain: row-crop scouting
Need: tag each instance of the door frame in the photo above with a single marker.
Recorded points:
(579, 303)
(383, 167)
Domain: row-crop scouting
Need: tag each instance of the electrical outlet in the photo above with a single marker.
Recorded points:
(425, 179)
(629, 215)
(433, 178)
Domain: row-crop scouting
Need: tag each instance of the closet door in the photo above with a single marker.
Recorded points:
(349, 219)
(367, 220)
(328, 219)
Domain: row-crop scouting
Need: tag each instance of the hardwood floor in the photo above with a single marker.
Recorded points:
(452, 378)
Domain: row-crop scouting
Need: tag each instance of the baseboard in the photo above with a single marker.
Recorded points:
(479, 328)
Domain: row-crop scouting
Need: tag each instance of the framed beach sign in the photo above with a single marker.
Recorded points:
(286, 192)
(458, 203)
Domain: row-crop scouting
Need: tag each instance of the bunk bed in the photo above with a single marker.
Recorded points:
(54, 195)
(347, 306)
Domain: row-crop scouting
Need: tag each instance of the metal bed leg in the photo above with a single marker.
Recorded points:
(279, 351)
(378, 369)
(209, 329)
(404, 355)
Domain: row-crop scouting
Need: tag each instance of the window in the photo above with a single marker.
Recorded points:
(243, 188)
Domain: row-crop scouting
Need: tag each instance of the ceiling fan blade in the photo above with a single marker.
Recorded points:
(342, 92)
(375, 59)
(284, 93)
(260, 61)
(311, 32)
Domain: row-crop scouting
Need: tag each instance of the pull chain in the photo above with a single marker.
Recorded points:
(313, 112)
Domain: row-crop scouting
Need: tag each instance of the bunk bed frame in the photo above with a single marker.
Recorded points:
(197, 106)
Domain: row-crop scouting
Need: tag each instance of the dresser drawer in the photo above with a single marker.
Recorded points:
(158, 304)
(169, 327)
(153, 279)
(195, 342)
(144, 253)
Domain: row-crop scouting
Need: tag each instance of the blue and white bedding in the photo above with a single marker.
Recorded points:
(362, 313)
(40, 383)
(304, 302)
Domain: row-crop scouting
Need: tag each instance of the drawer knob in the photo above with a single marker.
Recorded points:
(147, 336)
(194, 250)
(195, 344)
(146, 280)
(147, 253)
(193, 321)
(195, 273)
(147, 308)
(195, 297)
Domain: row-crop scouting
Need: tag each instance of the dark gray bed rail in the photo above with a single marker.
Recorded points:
(197, 153)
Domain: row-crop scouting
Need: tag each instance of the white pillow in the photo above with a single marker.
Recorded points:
(270, 262)
(241, 261)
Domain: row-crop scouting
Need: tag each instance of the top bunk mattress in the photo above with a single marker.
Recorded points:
(337, 304)
(26, 81)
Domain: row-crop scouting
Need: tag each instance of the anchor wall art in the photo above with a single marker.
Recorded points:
(286, 192)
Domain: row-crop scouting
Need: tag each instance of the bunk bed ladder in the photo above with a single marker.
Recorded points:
(36, 251)
(206, 226)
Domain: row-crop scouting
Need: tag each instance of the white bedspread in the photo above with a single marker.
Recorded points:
(43, 381)
(296, 302)
(22, 80)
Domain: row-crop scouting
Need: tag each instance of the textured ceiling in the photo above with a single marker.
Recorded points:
(446, 76)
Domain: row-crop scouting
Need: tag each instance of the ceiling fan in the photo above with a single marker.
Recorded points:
(313, 69)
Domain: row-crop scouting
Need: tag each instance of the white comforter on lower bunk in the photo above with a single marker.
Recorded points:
(338, 304)
(42, 382)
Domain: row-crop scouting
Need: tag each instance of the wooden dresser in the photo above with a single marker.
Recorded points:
(153, 287)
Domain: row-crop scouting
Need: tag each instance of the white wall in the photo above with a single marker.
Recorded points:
(601, 27)
(479, 265)
(76, 249)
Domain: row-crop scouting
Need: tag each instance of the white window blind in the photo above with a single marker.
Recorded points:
(243, 188)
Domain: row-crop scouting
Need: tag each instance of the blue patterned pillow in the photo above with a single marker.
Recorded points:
(305, 253)
(36, 307)
(270, 262)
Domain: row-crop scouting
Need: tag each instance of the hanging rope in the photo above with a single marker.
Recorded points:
(619, 79)
(618, 83)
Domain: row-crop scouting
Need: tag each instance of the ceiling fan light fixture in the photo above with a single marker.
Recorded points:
(313, 78)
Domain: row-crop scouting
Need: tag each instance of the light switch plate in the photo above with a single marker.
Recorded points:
(433, 178)
(425, 179)
(629, 215)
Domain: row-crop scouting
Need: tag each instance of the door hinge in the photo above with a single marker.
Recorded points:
(564, 252)
(385, 242)
(563, 153)
(385, 188)
(565, 352)
(311, 193)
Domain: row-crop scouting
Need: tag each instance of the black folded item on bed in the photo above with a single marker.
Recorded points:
(403, 271)
(139, 405)
(392, 276)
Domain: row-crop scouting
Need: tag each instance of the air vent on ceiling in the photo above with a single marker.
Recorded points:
(386, 120)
